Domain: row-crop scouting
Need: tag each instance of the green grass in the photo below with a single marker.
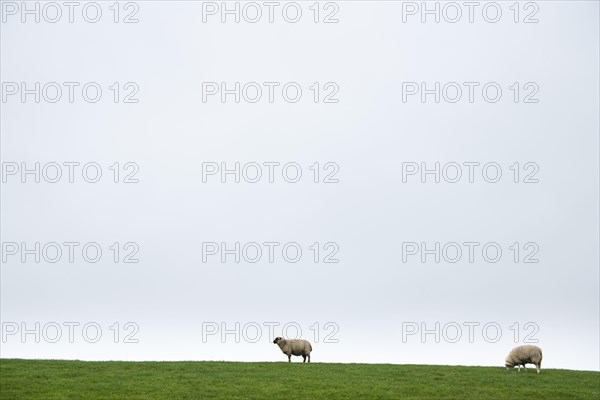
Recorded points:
(49, 379)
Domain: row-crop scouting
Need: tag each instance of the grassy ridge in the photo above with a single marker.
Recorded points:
(48, 380)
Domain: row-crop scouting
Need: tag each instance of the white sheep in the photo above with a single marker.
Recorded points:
(296, 347)
(527, 354)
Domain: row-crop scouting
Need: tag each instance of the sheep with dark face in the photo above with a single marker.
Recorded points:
(522, 355)
(294, 347)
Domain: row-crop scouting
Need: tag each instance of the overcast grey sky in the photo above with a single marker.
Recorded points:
(371, 133)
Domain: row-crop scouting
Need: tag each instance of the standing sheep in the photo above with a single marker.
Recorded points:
(522, 355)
(296, 347)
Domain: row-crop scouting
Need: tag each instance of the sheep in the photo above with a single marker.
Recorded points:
(296, 347)
(522, 355)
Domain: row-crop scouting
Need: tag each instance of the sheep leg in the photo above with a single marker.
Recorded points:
(304, 359)
(309, 358)
(289, 358)
(538, 366)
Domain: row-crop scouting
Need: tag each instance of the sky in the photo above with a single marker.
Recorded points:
(177, 185)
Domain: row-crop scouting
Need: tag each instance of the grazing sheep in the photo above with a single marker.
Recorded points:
(522, 355)
(296, 347)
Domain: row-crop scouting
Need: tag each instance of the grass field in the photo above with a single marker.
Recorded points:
(41, 379)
